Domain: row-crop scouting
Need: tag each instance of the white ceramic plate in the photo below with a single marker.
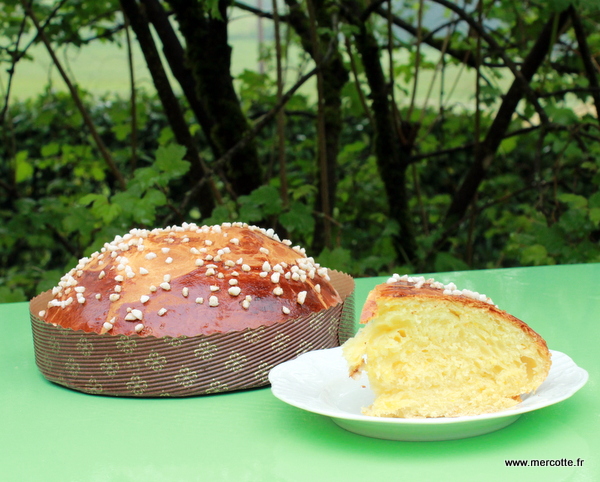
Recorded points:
(318, 382)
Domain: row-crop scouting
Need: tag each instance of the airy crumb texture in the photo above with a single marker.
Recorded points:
(190, 280)
(431, 351)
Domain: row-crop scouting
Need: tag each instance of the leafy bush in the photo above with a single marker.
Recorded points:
(65, 209)
(397, 168)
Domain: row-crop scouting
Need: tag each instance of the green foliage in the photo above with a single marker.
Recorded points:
(62, 206)
(213, 8)
(538, 205)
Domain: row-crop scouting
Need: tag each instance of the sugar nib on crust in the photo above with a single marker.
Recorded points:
(431, 350)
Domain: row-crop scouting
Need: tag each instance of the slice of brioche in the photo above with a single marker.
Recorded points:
(431, 350)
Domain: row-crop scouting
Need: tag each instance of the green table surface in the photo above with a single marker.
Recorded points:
(48, 432)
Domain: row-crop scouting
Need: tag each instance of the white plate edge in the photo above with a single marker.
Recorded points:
(584, 377)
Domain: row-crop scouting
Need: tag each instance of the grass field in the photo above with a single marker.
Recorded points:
(102, 68)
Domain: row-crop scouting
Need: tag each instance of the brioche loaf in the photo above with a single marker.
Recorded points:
(189, 280)
(431, 350)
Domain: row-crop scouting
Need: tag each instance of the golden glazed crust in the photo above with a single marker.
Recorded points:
(431, 350)
(403, 289)
(189, 280)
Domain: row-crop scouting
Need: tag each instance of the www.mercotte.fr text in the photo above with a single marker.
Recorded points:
(544, 462)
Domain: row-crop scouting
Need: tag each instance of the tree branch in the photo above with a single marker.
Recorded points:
(586, 57)
(468, 188)
(175, 55)
(593, 91)
(75, 95)
(132, 99)
(522, 76)
(361, 94)
(318, 34)
(172, 109)
(11, 71)
(64, 241)
(106, 35)
(16, 55)
(393, 156)
(266, 118)
(322, 131)
(260, 13)
(462, 55)
(208, 55)
(281, 114)
(471, 145)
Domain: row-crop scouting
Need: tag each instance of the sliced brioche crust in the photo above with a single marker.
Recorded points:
(444, 363)
(401, 289)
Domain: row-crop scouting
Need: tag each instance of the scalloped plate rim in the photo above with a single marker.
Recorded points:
(315, 360)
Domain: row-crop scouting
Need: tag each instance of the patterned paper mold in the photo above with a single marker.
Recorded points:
(136, 366)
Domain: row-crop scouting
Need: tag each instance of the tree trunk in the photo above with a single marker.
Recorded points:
(175, 56)
(172, 109)
(393, 156)
(586, 58)
(209, 58)
(334, 76)
(484, 157)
